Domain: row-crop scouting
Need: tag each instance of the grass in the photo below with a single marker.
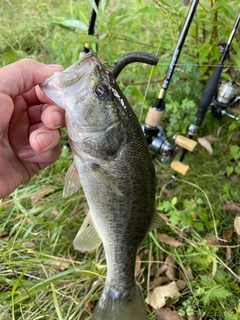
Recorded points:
(41, 275)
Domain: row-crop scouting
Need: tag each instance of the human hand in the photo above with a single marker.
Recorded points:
(29, 123)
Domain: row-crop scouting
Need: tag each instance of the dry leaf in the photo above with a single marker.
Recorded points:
(233, 176)
(169, 240)
(158, 281)
(171, 270)
(42, 192)
(228, 206)
(181, 284)
(235, 137)
(205, 144)
(3, 233)
(157, 298)
(211, 139)
(227, 234)
(61, 265)
(228, 253)
(138, 264)
(237, 225)
(28, 244)
(211, 240)
(167, 314)
(163, 268)
(189, 272)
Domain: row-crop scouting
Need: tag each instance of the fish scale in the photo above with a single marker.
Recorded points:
(113, 163)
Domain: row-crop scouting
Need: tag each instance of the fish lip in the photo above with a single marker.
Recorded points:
(89, 58)
(52, 87)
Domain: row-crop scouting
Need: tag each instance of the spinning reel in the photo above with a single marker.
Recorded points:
(228, 94)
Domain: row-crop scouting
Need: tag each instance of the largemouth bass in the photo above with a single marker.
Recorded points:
(113, 163)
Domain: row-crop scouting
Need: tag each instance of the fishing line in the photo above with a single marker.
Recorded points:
(157, 52)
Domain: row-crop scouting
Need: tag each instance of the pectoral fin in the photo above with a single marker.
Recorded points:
(87, 238)
(101, 176)
(72, 181)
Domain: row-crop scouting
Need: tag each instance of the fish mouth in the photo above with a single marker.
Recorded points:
(85, 65)
(71, 80)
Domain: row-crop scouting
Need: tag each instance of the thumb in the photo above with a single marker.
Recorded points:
(21, 76)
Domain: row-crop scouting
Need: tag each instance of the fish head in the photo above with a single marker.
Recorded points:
(85, 91)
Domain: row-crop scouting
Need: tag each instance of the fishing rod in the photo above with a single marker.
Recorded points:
(155, 134)
(124, 60)
(91, 29)
(211, 89)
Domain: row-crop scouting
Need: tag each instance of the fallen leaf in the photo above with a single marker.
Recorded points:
(188, 272)
(28, 244)
(167, 314)
(228, 206)
(171, 270)
(237, 225)
(3, 233)
(181, 284)
(211, 240)
(157, 298)
(42, 192)
(233, 176)
(205, 144)
(228, 253)
(227, 234)
(138, 264)
(169, 240)
(158, 281)
(61, 265)
(163, 267)
(211, 139)
(235, 138)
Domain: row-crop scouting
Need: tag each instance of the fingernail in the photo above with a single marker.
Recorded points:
(57, 119)
(27, 153)
(44, 139)
(56, 66)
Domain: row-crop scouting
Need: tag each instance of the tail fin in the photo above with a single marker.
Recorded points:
(115, 305)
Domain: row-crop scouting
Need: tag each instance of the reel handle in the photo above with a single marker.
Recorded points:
(185, 143)
(179, 167)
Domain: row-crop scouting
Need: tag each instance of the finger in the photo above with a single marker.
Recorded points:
(35, 113)
(6, 110)
(21, 76)
(42, 158)
(53, 117)
(43, 138)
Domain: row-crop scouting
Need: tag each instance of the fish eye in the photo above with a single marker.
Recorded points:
(102, 91)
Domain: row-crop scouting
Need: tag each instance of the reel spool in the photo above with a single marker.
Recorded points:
(227, 92)
(226, 97)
